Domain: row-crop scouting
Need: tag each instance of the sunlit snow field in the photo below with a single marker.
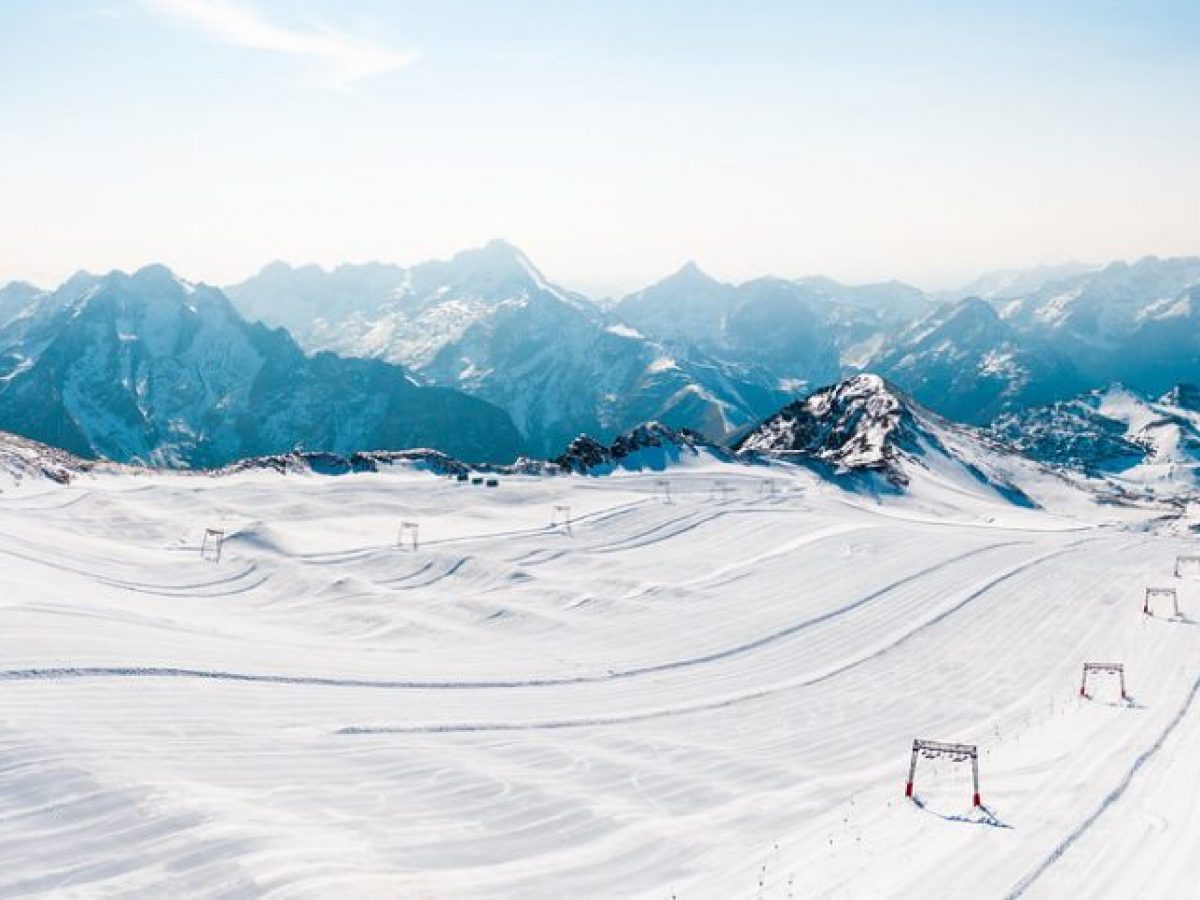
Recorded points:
(707, 695)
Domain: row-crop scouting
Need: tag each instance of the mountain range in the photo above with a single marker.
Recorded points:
(715, 357)
(149, 368)
(481, 356)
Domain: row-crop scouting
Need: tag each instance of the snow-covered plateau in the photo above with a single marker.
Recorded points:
(687, 677)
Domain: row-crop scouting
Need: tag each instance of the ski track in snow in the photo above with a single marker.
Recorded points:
(1110, 799)
(702, 698)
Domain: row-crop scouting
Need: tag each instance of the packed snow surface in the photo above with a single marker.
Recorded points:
(707, 688)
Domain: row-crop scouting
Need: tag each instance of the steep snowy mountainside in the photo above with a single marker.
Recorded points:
(1136, 324)
(698, 353)
(1100, 304)
(856, 424)
(23, 461)
(559, 370)
(688, 306)
(1007, 284)
(970, 365)
(17, 299)
(804, 330)
(402, 315)
(326, 463)
(308, 299)
(861, 317)
(150, 368)
(865, 427)
(1117, 433)
(1071, 433)
(651, 445)
(488, 322)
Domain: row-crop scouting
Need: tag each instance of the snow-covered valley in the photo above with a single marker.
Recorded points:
(703, 688)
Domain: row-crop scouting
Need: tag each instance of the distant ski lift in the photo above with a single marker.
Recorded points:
(408, 536)
(953, 752)
(561, 518)
(768, 488)
(662, 489)
(1095, 668)
(210, 547)
(720, 490)
(1187, 562)
(1153, 594)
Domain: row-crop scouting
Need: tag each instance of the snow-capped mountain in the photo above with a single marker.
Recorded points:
(1115, 432)
(1136, 324)
(1048, 334)
(1008, 284)
(861, 317)
(651, 445)
(690, 351)
(865, 427)
(560, 370)
(402, 315)
(150, 368)
(970, 365)
(16, 299)
(803, 332)
(487, 322)
(24, 461)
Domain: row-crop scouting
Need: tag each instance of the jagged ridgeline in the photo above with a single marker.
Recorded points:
(483, 358)
(148, 368)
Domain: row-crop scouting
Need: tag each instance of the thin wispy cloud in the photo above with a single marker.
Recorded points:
(340, 58)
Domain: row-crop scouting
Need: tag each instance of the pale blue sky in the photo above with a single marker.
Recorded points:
(612, 141)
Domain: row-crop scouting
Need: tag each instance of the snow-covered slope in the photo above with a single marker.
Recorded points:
(803, 332)
(24, 463)
(1010, 284)
(704, 354)
(1131, 323)
(403, 315)
(712, 697)
(866, 431)
(967, 363)
(1117, 433)
(150, 368)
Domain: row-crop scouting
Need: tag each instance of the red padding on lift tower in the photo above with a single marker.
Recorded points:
(908, 789)
(977, 803)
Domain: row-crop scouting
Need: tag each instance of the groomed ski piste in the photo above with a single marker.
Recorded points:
(711, 694)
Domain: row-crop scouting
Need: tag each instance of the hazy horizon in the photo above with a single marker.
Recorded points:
(594, 288)
(924, 142)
